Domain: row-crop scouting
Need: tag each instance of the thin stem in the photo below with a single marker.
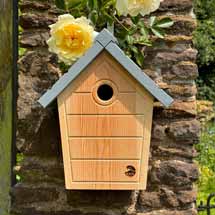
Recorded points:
(118, 21)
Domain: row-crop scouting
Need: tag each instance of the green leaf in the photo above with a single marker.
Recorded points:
(133, 30)
(165, 23)
(106, 5)
(63, 67)
(73, 3)
(18, 178)
(144, 31)
(152, 20)
(158, 32)
(134, 49)
(136, 19)
(22, 51)
(93, 16)
(128, 53)
(108, 18)
(92, 5)
(139, 57)
(121, 33)
(141, 24)
(95, 4)
(61, 4)
(130, 39)
(143, 41)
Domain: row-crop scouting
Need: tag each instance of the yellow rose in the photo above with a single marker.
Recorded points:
(70, 38)
(134, 7)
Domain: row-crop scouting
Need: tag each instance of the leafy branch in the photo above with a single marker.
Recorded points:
(132, 37)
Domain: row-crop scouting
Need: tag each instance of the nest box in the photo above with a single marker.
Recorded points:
(105, 105)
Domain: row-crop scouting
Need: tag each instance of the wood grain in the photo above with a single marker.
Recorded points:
(146, 144)
(105, 125)
(85, 104)
(64, 142)
(102, 69)
(99, 141)
(105, 186)
(105, 148)
(103, 171)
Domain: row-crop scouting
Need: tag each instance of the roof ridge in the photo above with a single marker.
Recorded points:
(105, 37)
(106, 41)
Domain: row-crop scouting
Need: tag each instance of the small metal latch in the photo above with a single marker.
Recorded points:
(131, 171)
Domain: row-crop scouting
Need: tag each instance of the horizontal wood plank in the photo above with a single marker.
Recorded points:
(125, 103)
(105, 148)
(105, 186)
(105, 125)
(103, 171)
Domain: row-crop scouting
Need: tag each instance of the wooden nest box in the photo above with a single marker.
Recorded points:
(105, 105)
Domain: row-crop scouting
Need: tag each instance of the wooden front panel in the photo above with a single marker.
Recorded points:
(105, 148)
(103, 69)
(125, 103)
(100, 140)
(105, 125)
(105, 186)
(103, 171)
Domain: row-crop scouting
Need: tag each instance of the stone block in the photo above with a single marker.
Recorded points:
(34, 5)
(184, 130)
(174, 173)
(32, 38)
(24, 194)
(176, 5)
(35, 20)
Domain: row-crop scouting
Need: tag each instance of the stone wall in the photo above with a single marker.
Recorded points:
(172, 172)
(6, 69)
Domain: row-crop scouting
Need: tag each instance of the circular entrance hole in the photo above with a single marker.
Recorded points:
(105, 92)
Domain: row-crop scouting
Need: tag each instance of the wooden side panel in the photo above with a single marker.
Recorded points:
(105, 148)
(64, 142)
(103, 171)
(146, 144)
(105, 125)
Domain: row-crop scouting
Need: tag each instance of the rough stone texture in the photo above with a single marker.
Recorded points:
(171, 63)
(176, 5)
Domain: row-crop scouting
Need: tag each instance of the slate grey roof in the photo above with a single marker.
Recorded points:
(105, 41)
